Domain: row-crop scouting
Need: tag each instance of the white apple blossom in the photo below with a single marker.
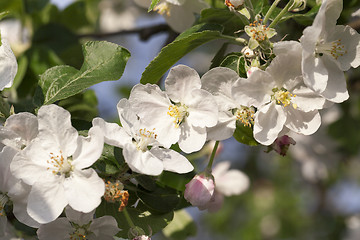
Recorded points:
(56, 164)
(281, 98)
(78, 225)
(220, 82)
(328, 50)
(8, 65)
(141, 150)
(181, 113)
(12, 190)
(179, 14)
(227, 183)
(18, 130)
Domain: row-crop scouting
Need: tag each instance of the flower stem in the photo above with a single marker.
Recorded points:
(281, 14)
(128, 218)
(209, 166)
(271, 9)
(236, 40)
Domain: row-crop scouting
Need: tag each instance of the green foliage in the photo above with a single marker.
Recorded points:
(230, 21)
(181, 227)
(183, 44)
(153, 4)
(236, 62)
(103, 61)
(244, 135)
(141, 218)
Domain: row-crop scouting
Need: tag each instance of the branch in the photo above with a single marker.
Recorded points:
(144, 33)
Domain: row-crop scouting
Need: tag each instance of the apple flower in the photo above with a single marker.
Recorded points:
(78, 225)
(281, 98)
(19, 130)
(181, 113)
(259, 34)
(220, 83)
(234, 3)
(8, 65)
(328, 50)
(228, 183)
(56, 166)
(200, 190)
(141, 150)
(179, 14)
(12, 190)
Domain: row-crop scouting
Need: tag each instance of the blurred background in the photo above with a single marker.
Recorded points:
(312, 193)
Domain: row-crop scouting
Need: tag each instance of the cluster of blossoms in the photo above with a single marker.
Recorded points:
(46, 166)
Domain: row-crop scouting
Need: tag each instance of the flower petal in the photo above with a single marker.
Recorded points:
(302, 122)
(180, 82)
(105, 226)
(172, 160)
(8, 65)
(88, 149)
(224, 129)
(84, 189)
(269, 121)
(192, 138)
(113, 134)
(60, 229)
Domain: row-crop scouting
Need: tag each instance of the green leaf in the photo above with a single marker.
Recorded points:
(244, 135)
(104, 61)
(219, 56)
(184, 43)
(153, 4)
(140, 218)
(181, 227)
(162, 199)
(175, 180)
(229, 20)
(236, 62)
(3, 14)
(107, 163)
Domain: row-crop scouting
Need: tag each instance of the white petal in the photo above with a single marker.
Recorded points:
(284, 47)
(256, 90)
(6, 178)
(328, 14)
(180, 18)
(113, 134)
(307, 100)
(172, 160)
(8, 65)
(180, 82)
(285, 67)
(302, 122)
(314, 71)
(46, 200)
(142, 162)
(202, 109)
(192, 138)
(55, 121)
(88, 149)
(60, 229)
(19, 129)
(105, 226)
(79, 217)
(219, 82)
(336, 89)
(19, 209)
(269, 121)
(224, 129)
(84, 190)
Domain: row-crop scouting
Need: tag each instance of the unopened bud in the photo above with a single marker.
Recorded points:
(281, 145)
(234, 3)
(298, 5)
(200, 190)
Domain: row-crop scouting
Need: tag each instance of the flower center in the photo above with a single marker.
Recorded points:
(114, 191)
(283, 97)
(3, 200)
(178, 112)
(258, 31)
(163, 8)
(334, 49)
(245, 115)
(144, 138)
(59, 165)
(78, 234)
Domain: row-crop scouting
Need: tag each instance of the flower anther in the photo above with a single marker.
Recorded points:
(334, 49)
(114, 192)
(78, 234)
(179, 112)
(283, 97)
(60, 165)
(259, 32)
(163, 8)
(245, 115)
(144, 139)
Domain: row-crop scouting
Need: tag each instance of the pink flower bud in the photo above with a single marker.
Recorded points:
(199, 190)
(281, 145)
